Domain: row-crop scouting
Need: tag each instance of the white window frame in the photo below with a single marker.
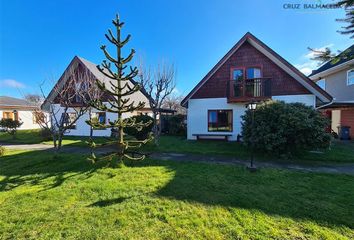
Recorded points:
(324, 80)
(348, 84)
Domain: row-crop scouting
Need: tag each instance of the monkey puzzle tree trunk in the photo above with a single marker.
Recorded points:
(156, 129)
(121, 86)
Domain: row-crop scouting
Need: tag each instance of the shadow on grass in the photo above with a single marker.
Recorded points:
(323, 198)
(36, 167)
(109, 202)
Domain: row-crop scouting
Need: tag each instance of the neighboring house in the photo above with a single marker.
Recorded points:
(81, 128)
(250, 71)
(19, 109)
(337, 78)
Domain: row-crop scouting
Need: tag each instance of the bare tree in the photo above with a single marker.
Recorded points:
(173, 102)
(159, 86)
(35, 99)
(66, 103)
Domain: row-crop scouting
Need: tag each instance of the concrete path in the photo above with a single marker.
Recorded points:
(333, 168)
(48, 147)
(329, 168)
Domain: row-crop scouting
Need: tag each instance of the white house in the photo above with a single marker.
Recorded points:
(250, 71)
(81, 128)
(19, 109)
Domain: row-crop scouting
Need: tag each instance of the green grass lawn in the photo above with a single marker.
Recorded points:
(34, 136)
(22, 136)
(340, 152)
(46, 198)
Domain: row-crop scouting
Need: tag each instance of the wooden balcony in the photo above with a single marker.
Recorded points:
(256, 89)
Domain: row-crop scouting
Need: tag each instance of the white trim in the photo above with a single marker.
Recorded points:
(348, 77)
(332, 69)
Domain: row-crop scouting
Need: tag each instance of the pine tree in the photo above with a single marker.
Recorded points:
(121, 86)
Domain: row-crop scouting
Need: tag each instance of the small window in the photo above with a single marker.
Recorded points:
(100, 117)
(350, 77)
(39, 117)
(220, 120)
(69, 118)
(253, 73)
(10, 115)
(237, 74)
(7, 115)
(322, 83)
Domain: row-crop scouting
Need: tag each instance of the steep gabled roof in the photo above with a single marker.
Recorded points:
(6, 101)
(272, 55)
(92, 68)
(344, 58)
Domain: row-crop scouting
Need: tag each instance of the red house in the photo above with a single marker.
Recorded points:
(250, 71)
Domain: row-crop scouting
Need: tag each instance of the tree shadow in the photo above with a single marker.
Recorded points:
(322, 198)
(36, 167)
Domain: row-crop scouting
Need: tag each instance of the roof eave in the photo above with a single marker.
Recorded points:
(332, 70)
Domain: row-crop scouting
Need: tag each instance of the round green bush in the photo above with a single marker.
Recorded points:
(144, 132)
(176, 125)
(285, 128)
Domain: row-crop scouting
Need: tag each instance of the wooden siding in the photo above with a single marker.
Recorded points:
(347, 119)
(248, 56)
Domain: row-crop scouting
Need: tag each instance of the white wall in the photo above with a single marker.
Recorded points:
(336, 85)
(307, 99)
(197, 114)
(82, 128)
(23, 116)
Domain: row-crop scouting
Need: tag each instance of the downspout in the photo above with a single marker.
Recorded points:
(325, 105)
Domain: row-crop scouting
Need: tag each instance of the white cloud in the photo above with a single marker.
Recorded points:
(176, 91)
(307, 65)
(11, 83)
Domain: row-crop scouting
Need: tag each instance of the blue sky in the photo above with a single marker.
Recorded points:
(38, 39)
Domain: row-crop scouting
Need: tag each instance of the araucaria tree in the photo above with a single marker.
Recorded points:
(118, 89)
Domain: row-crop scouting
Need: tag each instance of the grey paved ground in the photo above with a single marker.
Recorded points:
(333, 168)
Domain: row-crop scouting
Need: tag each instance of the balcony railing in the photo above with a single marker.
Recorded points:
(249, 89)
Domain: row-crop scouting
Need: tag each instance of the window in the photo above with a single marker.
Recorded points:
(100, 116)
(322, 83)
(39, 117)
(220, 120)
(237, 74)
(253, 73)
(350, 77)
(69, 118)
(7, 115)
(10, 115)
